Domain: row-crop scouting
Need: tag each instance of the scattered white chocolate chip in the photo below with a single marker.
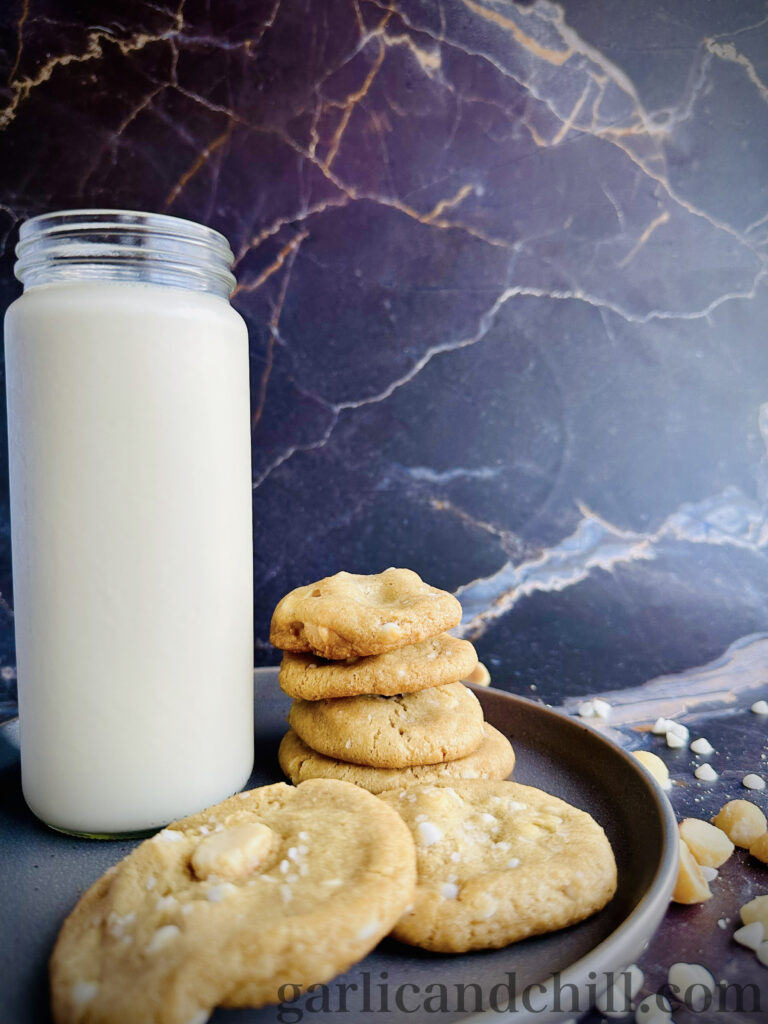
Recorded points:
(586, 709)
(753, 781)
(692, 984)
(428, 833)
(84, 992)
(706, 773)
(750, 935)
(655, 766)
(710, 874)
(233, 854)
(166, 903)
(659, 727)
(675, 741)
(616, 1001)
(162, 937)
(601, 708)
(743, 822)
(702, 746)
(449, 891)
(760, 707)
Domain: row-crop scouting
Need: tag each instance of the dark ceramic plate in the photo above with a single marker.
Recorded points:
(541, 980)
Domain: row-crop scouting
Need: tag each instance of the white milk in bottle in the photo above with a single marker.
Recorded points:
(129, 438)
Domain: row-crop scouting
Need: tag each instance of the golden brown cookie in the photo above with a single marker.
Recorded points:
(441, 659)
(434, 725)
(348, 615)
(498, 862)
(493, 759)
(224, 907)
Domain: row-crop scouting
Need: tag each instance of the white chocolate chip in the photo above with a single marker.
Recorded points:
(166, 903)
(762, 953)
(428, 833)
(675, 741)
(162, 937)
(710, 874)
(233, 854)
(513, 862)
(170, 835)
(219, 892)
(369, 930)
(449, 891)
(616, 1001)
(692, 984)
(753, 782)
(586, 709)
(760, 707)
(706, 773)
(702, 746)
(84, 992)
(116, 923)
(750, 935)
(659, 727)
(602, 709)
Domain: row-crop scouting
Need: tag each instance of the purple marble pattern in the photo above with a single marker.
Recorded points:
(504, 272)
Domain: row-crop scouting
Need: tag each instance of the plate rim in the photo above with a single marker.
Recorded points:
(635, 931)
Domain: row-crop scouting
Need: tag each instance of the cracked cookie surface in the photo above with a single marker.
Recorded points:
(433, 662)
(350, 615)
(493, 759)
(225, 906)
(498, 862)
(438, 724)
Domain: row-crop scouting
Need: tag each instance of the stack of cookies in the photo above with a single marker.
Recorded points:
(375, 679)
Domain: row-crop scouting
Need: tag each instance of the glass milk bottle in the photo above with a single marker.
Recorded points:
(129, 438)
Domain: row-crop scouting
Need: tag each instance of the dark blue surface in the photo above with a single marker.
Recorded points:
(504, 271)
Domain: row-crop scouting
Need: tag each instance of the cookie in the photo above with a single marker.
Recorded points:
(493, 759)
(441, 659)
(347, 615)
(439, 724)
(498, 862)
(224, 907)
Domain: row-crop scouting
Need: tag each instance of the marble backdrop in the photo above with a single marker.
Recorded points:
(504, 272)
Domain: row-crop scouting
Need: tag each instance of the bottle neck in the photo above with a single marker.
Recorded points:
(123, 245)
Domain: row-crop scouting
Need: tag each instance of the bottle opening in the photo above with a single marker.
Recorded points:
(123, 245)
